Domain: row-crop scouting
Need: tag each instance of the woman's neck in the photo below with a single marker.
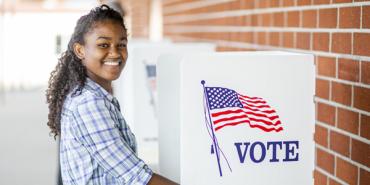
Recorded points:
(107, 85)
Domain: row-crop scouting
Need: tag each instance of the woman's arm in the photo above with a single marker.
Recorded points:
(159, 180)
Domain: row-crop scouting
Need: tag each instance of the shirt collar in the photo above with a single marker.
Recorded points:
(96, 88)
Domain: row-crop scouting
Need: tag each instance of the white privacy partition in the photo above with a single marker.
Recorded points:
(137, 91)
(124, 86)
(236, 118)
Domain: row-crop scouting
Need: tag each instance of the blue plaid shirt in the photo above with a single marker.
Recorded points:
(96, 144)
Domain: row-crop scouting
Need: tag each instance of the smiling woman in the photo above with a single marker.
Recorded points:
(96, 144)
(104, 53)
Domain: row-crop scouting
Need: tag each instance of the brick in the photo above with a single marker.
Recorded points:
(320, 179)
(288, 40)
(365, 72)
(274, 38)
(348, 120)
(239, 21)
(348, 69)
(341, 43)
(325, 160)
(235, 5)
(341, 93)
(254, 20)
(328, 18)
(274, 3)
(262, 38)
(230, 20)
(366, 17)
(263, 3)
(349, 17)
(322, 89)
(293, 19)
(326, 66)
(247, 4)
(321, 135)
(333, 182)
(339, 143)
(266, 19)
(321, 1)
(247, 20)
(278, 19)
(362, 98)
(321, 41)
(303, 2)
(342, 1)
(346, 171)
(360, 44)
(360, 152)
(365, 126)
(364, 177)
(309, 18)
(247, 37)
(326, 113)
(303, 40)
(234, 36)
(290, 2)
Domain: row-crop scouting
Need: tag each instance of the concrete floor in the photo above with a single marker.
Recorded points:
(28, 155)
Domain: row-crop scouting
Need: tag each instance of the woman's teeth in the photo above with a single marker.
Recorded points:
(112, 63)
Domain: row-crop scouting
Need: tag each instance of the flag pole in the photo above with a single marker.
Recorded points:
(215, 145)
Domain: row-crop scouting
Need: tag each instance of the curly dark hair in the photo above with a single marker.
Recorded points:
(69, 72)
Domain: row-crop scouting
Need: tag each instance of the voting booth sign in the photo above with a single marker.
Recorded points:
(237, 118)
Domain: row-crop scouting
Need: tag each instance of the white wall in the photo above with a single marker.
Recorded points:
(27, 49)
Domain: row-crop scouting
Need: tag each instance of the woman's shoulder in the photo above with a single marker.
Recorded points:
(84, 96)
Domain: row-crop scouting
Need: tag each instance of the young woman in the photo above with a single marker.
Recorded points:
(96, 144)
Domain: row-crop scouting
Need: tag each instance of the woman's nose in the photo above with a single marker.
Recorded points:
(114, 52)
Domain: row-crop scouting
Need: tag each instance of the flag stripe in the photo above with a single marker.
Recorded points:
(226, 112)
(235, 114)
(267, 129)
(240, 110)
(245, 117)
(272, 118)
(265, 122)
(255, 106)
(228, 119)
(231, 124)
(252, 98)
(252, 101)
(235, 120)
(258, 110)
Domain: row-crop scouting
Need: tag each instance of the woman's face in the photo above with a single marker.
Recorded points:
(105, 52)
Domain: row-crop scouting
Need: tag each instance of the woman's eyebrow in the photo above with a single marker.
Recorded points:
(104, 37)
(110, 38)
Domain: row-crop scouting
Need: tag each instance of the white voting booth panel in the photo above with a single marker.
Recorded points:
(138, 91)
(250, 122)
(123, 87)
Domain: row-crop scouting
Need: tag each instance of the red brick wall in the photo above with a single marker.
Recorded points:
(337, 32)
(138, 12)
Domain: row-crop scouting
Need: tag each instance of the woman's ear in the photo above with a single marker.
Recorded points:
(78, 49)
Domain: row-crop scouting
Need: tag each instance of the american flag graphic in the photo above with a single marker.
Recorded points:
(229, 108)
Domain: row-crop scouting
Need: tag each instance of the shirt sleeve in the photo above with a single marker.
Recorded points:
(97, 131)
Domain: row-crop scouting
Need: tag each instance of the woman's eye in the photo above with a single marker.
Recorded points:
(103, 45)
(121, 45)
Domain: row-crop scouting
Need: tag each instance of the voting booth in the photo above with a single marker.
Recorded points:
(236, 118)
(136, 91)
